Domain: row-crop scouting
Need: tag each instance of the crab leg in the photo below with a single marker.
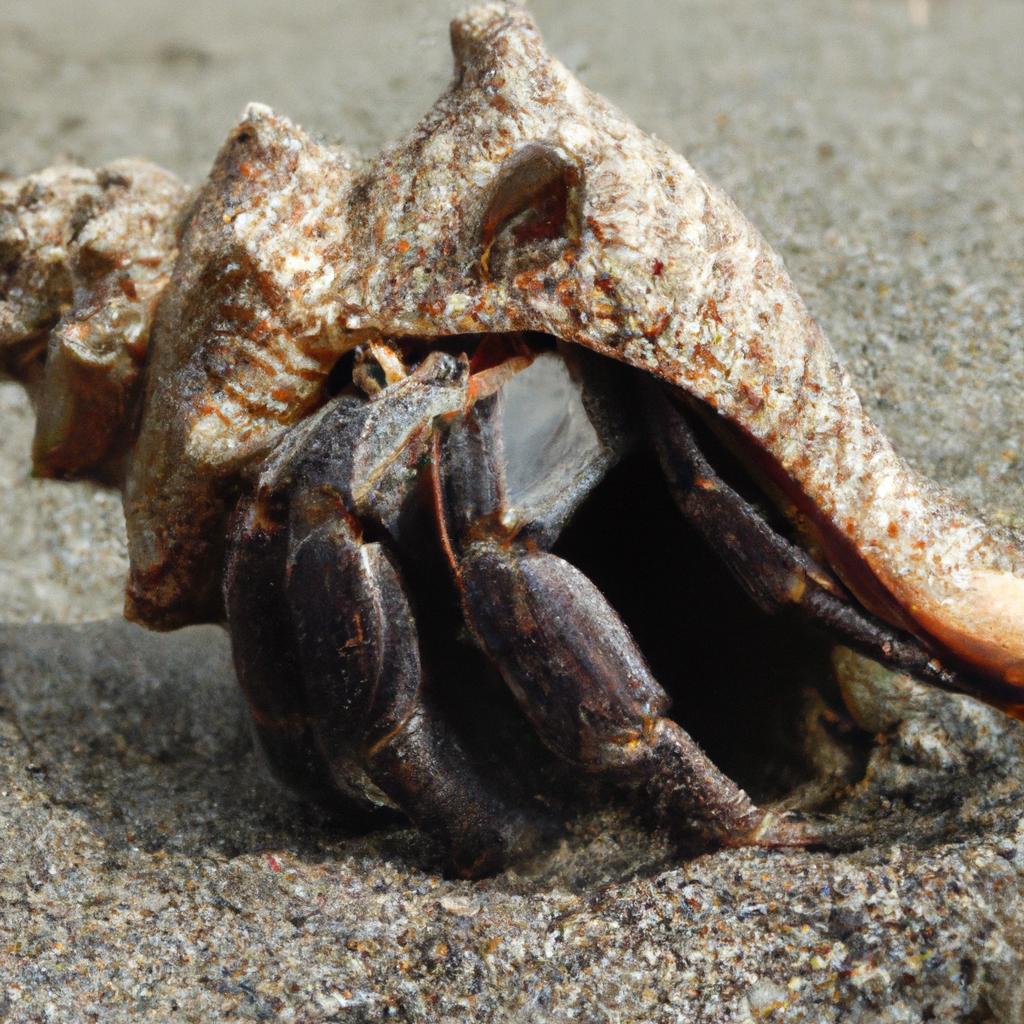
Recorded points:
(361, 669)
(325, 642)
(778, 575)
(564, 652)
(266, 657)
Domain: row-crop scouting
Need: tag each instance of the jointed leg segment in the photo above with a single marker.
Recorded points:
(568, 657)
(777, 574)
(328, 655)
(266, 658)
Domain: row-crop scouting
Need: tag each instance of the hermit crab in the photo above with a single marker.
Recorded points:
(312, 364)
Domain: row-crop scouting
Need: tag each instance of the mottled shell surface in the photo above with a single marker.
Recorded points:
(523, 202)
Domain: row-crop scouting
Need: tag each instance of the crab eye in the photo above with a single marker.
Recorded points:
(533, 213)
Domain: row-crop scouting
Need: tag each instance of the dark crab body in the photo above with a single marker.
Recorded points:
(482, 267)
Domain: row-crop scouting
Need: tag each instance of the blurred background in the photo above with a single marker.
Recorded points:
(878, 144)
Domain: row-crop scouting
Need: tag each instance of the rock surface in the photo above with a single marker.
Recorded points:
(150, 872)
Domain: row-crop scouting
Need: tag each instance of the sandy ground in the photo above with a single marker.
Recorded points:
(876, 143)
